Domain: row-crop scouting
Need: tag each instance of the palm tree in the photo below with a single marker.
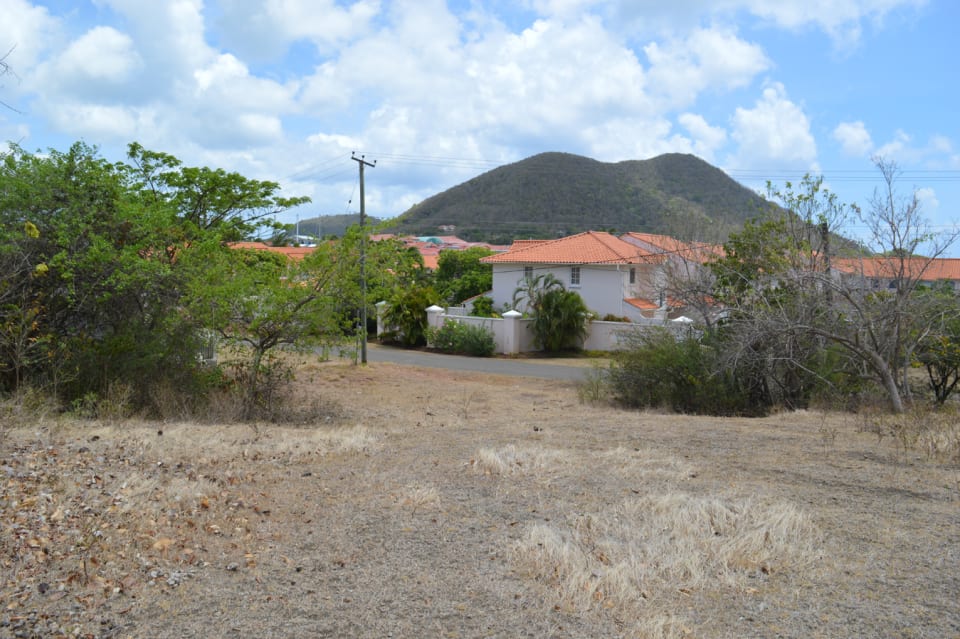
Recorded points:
(559, 316)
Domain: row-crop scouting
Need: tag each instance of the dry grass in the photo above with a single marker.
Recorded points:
(666, 544)
(511, 460)
(444, 504)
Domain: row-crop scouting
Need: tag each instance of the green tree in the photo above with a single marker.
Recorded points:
(779, 281)
(559, 316)
(406, 315)
(255, 300)
(96, 264)
(95, 272)
(208, 199)
(460, 275)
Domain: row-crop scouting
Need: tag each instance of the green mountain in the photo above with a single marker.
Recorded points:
(556, 194)
(327, 225)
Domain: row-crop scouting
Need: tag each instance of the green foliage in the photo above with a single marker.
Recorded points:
(559, 316)
(657, 370)
(461, 337)
(483, 307)
(460, 275)
(556, 194)
(104, 265)
(207, 199)
(938, 350)
(256, 301)
(406, 315)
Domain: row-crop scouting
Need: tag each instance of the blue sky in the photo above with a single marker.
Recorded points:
(439, 92)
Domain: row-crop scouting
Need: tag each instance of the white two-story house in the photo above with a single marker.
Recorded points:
(612, 276)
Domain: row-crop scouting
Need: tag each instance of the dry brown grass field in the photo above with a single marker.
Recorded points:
(436, 504)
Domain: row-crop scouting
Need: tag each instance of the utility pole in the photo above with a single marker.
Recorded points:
(363, 258)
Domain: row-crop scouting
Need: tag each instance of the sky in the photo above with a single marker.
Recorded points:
(437, 92)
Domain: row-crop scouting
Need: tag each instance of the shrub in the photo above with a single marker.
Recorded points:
(483, 307)
(406, 316)
(656, 370)
(560, 316)
(457, 337)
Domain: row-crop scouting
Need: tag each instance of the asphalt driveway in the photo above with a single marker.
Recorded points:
(574, 371)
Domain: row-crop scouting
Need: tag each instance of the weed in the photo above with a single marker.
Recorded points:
(595, 387)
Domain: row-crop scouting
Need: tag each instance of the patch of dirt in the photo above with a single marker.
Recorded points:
(419, 510)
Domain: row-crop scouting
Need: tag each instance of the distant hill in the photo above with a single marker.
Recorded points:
(557, 194)
(327, 225)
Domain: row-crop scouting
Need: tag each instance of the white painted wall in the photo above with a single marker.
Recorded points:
(602, 286)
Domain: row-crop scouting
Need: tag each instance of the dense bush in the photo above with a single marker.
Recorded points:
(406, 316)
(458, 337)
(483, 307)
(657, 370)
(559, 316)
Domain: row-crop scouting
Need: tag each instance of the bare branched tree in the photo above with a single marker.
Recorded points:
(792, 295)
(6, 69)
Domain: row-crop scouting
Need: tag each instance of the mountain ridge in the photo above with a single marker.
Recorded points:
(554, 194)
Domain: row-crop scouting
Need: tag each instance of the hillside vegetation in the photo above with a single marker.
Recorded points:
(556, 194)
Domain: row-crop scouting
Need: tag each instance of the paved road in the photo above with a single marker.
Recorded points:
(520, 368)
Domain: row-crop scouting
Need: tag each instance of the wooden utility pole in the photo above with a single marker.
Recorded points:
(363, 258)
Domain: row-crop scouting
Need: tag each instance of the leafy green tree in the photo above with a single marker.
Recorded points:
(559, 316)
(938, 350)
(253, 299)
(207, 199)
(95, 271)
(460, 275)
(96, 260)
(406, 315)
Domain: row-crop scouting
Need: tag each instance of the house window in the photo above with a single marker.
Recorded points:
(528, 272)
(633, 275)
(575, 276)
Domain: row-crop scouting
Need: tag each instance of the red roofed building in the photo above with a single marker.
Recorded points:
(878, 273)
(612, 276)
(295, 253)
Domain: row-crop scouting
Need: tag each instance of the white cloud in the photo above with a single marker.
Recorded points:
(842, 20)
(899, 148)
(97, 121)
(103, 53)
(773, 134)
(707, 139)
(708, 59)
(853, 138)
(264, 29)
(928, 199)
(25, 32)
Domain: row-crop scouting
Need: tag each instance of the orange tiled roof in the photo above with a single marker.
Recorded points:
(295, 253)
(641, 303)
(590, 247)
(700, 252)
(889, 267)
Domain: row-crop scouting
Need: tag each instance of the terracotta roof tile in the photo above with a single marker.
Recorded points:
(295, 253)
(641, 303)
(695, 251)
(888, 267)
(590, 247)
